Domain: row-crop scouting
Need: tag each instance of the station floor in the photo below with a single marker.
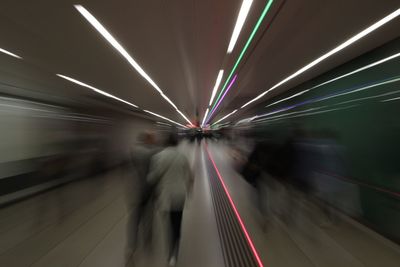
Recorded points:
(84, 224)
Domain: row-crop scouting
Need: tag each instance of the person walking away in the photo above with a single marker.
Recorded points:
(171, 175)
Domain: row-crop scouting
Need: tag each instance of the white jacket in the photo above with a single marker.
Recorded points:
(170, 173)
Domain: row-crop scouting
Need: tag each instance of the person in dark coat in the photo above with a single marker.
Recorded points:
(140, 192)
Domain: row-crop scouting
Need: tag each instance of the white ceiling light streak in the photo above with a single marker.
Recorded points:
(9, 53)
(391, 99)
(340, 47)
(214, 92)
(169, 101)
(287, 98)
(165, 118)
(245, 121)
(103, 31)
(305, 114)
(188, 121)
(288, 114)
(230, 114)
(244, 11)
(96, 90)
(368, 97)
(217, 83)
(163, 123)
(358, 70)
(205, 116)
(107, 35)
(267, 116)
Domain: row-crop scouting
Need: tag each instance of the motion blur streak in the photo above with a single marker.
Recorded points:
(99, 167)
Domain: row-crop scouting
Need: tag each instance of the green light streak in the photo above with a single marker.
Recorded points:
(253, 33)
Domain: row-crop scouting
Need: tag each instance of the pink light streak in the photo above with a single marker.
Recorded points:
(223, 96)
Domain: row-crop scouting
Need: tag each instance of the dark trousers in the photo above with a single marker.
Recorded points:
(176, 222)
(141, 215)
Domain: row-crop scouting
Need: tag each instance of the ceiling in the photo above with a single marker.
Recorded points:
(181, 44)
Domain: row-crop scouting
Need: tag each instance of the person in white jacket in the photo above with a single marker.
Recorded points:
(172, 178)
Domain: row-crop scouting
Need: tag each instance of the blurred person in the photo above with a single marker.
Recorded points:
(239, 158)
(140, 192)
(52, 166)
(330, 190)
(301, 164)
(171, 175)
(254, 172)
(199, 136)
(295, 158)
